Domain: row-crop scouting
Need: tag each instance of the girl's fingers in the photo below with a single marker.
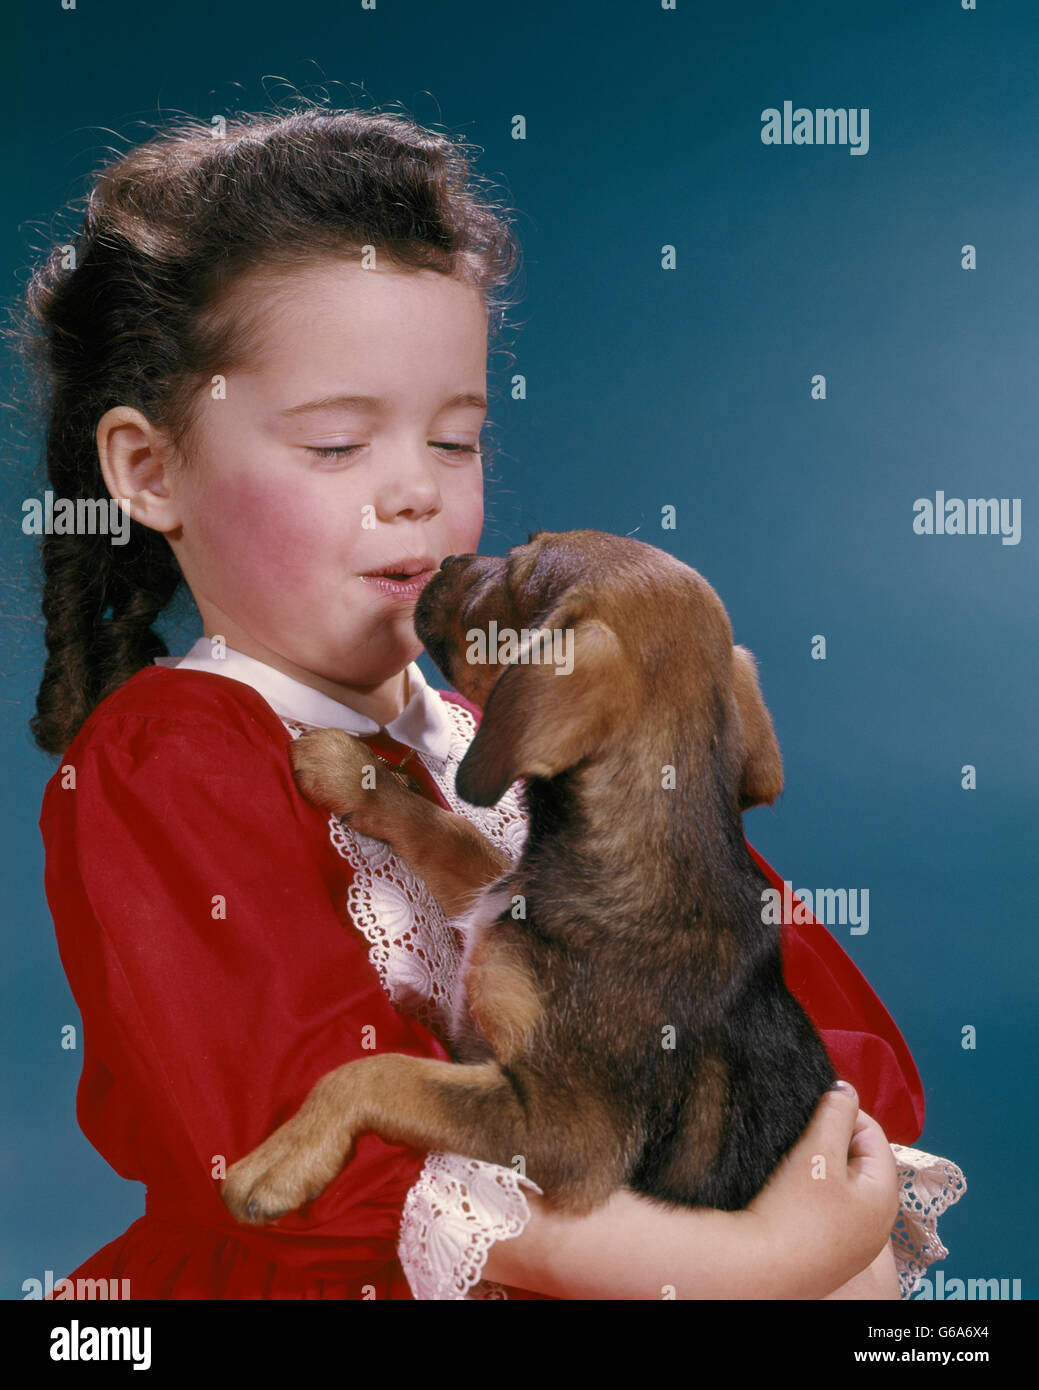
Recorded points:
(867, 1140)
(870, 1156)
(866, 1150)
(872, 1168)
(832, 1125)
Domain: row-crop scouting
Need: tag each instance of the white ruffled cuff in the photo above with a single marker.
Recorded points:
(928, 1186)
(452, 1216)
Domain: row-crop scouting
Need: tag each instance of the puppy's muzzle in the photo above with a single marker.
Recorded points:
(449, 599)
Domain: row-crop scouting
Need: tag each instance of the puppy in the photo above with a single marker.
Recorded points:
(623, 1020)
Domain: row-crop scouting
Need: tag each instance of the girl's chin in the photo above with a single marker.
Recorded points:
(385, 654)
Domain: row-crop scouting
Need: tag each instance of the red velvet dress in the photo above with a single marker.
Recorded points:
(198, 906)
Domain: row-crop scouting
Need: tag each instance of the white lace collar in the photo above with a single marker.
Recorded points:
(424, 724)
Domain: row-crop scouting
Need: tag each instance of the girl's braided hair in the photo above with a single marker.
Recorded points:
(137, 316)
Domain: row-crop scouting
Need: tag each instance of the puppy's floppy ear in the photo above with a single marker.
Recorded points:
(538, 722)
(762, 779)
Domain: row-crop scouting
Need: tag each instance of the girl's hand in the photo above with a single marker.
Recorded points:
(833, 1200)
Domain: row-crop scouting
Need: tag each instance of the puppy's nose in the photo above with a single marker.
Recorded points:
(454, 559)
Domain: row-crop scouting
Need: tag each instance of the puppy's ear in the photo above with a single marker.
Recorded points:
(762, 779)
(541, 719)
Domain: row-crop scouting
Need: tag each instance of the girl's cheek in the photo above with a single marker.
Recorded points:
(261, 523)
(466, 515)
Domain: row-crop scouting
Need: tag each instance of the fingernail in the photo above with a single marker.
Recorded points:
(845, 1086)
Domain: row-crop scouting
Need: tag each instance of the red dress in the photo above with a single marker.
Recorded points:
(197, 904)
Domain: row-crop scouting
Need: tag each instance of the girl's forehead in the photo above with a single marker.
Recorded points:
(328, 283)
(384, 319)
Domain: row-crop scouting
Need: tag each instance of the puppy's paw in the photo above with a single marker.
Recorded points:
(288, 1169)
(329, 767)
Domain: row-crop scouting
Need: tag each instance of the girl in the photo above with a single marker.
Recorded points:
(272, 349)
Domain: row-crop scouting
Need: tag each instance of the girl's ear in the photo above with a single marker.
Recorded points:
(762, 779)
(134, 460)
(542, 718)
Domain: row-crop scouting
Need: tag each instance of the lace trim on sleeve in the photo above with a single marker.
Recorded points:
(452, 1216)
(928, 1186)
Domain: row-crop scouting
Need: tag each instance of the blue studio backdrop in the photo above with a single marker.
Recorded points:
(764, 355)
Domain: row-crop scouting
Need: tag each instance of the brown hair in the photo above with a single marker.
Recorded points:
(138, 320)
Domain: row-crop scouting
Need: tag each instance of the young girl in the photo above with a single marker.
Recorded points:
(272, 347)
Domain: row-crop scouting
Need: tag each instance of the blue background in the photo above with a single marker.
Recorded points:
(689, 387)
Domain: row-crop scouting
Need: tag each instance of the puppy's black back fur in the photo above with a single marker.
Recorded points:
(666, 1018)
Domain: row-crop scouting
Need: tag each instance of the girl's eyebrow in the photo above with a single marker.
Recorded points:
(375, 403)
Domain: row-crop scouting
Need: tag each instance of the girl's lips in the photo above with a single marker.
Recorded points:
(399, 588)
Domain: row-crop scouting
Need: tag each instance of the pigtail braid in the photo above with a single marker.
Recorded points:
(99, 607)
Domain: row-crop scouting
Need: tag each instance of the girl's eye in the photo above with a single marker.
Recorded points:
(333, 451)
(458, 448)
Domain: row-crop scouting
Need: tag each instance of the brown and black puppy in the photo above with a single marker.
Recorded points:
(624, 1020)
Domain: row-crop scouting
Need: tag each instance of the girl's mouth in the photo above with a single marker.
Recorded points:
(400, 586)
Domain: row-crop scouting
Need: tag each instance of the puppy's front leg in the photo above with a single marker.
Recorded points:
(417, 1101)
(445, 850)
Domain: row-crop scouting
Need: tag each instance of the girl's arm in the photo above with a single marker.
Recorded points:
(782, 1246)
